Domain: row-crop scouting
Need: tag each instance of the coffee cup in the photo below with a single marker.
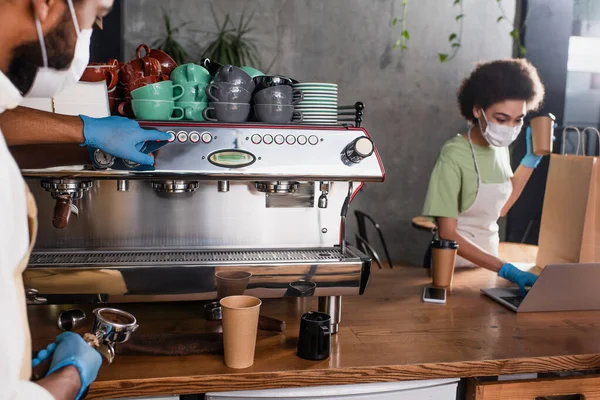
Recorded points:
(124, 108)
(156, 110)
(236, 77)
(278, 114)
(240, 326)
(301, 289)
(147, 80)
(314, 339)
(190, 73)
(263, 82)
(139, 68)
(227, 112)
(282, 95)
(253, 72)
(224, 92)
(164, 90)
(167, 64)
(443, 257)
(193, 91)
(542, 134)
(231, 283)
(192, 110)
(96, 72)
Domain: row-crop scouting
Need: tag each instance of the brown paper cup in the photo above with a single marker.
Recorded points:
(542, 135)
(231, 283)
(240, 324)
(442, 267)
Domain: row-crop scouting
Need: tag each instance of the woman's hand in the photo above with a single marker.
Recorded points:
(530, 160)
(515, 275)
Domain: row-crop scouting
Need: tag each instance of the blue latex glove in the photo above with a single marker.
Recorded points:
(530, 160)
(120, 137)
(43, 354)
(71, 349)
(515, 275)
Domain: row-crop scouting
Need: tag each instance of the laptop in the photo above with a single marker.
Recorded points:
(560, 287)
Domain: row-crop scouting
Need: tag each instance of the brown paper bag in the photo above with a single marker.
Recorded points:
(570, 226)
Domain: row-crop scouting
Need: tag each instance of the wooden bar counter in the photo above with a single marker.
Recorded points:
(388, 334)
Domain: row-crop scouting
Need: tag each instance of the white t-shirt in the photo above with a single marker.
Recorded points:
(14, 241)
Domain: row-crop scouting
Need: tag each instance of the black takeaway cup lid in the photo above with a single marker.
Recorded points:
(444, 244)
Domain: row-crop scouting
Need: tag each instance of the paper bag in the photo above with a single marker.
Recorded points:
(570, 226)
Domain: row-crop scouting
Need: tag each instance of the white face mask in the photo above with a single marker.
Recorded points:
(48, 82)
(499, 135)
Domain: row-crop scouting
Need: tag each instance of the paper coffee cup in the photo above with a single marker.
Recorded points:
(443, 256)
(240, 325)
(542, 134)
(232, 283)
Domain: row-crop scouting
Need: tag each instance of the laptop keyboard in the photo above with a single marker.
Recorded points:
(514, 300)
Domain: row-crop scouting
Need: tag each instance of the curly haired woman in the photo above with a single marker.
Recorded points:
(472, 183)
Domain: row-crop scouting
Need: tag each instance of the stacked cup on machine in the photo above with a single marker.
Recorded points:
(193, 79)
(156, 101)
(274, 100)
(229, 94)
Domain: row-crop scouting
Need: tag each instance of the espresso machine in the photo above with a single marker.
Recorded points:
(266, 201)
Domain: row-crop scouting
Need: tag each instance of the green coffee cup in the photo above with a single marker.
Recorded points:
(253, 72)
(193, 91)
(192, 109)
(190, 73)
(156, 110)
(164, 90)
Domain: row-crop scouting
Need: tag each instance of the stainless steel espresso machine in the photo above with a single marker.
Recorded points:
(253, 209)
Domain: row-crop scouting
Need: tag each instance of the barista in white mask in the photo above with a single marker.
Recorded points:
(43, 46)
(472, 184)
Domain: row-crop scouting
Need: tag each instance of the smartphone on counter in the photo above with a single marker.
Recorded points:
(434, 295)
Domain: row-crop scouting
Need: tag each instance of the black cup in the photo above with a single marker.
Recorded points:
(71, 319)
(444, 244)
(314, 340)
(266, 81)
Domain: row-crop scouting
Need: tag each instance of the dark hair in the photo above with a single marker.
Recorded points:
(500, 80)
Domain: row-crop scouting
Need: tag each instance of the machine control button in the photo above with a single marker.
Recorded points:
(102, 159)
(279, 139)
(267, 139)
(233, 158)
(172, 138)
(313, 140)
(206, 137)
(359, 149)
(302, 140)
(182, 136)
(194, 137)
(256, 139)
(290, 139)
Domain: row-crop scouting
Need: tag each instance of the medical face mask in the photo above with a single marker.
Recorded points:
(499, 135)
(49, 81)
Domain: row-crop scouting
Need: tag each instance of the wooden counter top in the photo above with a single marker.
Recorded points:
(388, 334)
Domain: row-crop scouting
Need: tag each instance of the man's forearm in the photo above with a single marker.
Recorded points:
(64, 384)
(28, 126)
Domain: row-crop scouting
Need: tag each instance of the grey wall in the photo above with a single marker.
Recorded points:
(410, 96)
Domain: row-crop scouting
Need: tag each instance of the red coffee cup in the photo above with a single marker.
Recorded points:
(139, 68)
(166, 62)
(97, 72)
(148, 80)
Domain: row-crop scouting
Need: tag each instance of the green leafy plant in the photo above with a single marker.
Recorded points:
(404, 35)
(231, 44)
(455, 39)
(169, 44)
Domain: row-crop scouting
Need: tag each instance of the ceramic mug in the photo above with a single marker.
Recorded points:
(167, 64)
(139, 68)
(192, 110)
(224, 92)
(164, 90)
(236, 77)
(227, 112)
(148, 80)
(156, 110)
(190, 73)
(263, 82)
(97, 72)
(193, 91)
(278, 114)
(282, 95)
(253, 72)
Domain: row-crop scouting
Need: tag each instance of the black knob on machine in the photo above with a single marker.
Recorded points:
(359, 149)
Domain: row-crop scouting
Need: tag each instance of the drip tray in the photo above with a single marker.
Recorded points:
(191, 257)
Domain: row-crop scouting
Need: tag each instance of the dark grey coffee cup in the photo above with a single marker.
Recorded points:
(235, 76)
(276, 113)
(227, 112)
(281, 95)
(224, 92)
